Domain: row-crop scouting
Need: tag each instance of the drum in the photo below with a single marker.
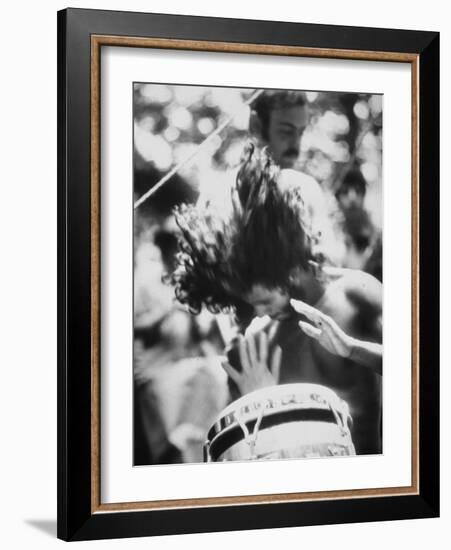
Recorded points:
(284, 421)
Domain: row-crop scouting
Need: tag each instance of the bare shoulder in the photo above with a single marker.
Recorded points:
(360, 288)
(291, 179)
(309, 189)
(354, 299)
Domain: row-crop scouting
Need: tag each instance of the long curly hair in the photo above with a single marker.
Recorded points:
(264, 240)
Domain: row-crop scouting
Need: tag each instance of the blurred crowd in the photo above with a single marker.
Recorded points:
(179, 384)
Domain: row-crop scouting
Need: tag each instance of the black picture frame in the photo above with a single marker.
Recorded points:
(78, 518)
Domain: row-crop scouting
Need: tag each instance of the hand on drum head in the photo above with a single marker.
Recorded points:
(254, 357)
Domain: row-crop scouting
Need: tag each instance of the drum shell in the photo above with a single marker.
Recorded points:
(324, 439)
(297, 421)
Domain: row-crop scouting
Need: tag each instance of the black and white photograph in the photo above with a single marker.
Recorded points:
(257, 274)
(225, 254)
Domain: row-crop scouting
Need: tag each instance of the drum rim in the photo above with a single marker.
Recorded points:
(233, 433)
(282, 388)
(284, 392)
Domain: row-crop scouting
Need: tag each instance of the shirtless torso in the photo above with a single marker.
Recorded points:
(353, 299)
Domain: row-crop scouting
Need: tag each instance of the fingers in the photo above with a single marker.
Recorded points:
(273, 330)
(255, 372)
(321, 321)
(231, 372)
(310, 312)
(263, 347)
(250, 355)
(339, 340)
(324, 329)
(243, 353)
(299, 305)
(310, 330)
(276, 361)
(252, 350)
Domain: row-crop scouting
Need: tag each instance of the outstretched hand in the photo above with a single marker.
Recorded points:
(254, 356)
(324, 329)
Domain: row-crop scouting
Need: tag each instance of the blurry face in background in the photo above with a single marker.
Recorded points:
(350, 198)
(284, 132)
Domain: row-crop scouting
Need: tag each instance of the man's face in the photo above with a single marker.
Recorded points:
(350, 198)
(269, 301)
(284, 133)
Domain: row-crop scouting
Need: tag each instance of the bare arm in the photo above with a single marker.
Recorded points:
(365, 350)
(368, 354)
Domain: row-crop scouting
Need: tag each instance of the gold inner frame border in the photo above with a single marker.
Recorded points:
(97, 41)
